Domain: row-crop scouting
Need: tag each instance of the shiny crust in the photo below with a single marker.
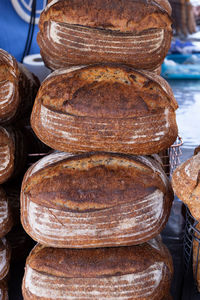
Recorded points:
(6, 221)
(85, 32)
(186, 184)
(5, 256)
(104, 270)
(94, 200)
(74, 112)
(18, 88)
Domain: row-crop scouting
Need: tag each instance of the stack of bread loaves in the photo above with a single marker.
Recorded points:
(98, 207)
(18, 88)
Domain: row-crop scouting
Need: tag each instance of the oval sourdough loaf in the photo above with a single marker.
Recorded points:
(135, 32)
(5, 255)
(6, 220)
(94, 200)
(13, 153)
(18, 88)
(138, 272)
(111, 108)
(186, 184)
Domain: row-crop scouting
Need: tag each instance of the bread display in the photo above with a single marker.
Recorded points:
(111, 108)
(18, 88)
(186, 184)
(12, 153)
(3, 290)
(94, 200)
(137, 272)
(78, 32)
(5, 254)
(6, 221)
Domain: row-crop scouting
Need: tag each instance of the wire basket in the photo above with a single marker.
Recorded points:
(171, 156)
(191, 235)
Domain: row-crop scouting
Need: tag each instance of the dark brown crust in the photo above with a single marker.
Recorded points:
(77, 108)
(13, 153)
(91, 32)
(6, 224)
(100, 264)
(94, 188)
(4, 246)
(23, 89)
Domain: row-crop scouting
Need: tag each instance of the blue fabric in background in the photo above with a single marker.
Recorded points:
(14, 31)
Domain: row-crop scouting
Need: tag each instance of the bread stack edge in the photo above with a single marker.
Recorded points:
(97, 208)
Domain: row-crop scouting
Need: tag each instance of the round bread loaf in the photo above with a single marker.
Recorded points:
(186, 184)
(138, 272)
(18, 88)
(13, 153)
(105, 108)
(5, 255)
(94, 200)
(91, 31)
(6, 220)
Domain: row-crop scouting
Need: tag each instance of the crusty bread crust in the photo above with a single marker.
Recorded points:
(18, 88)
(6, 220)
(108, 273)
(86, 32)
(105, 108)
(95, 200)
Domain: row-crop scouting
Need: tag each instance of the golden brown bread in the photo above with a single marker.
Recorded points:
(6, 220)
(138, 272)
(94, 200)
(5, 255)
(186, 184)
(86, 31)
(13, 153)
(18, 88)
(111, 108)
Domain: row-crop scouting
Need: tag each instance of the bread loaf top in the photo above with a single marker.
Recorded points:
(166, 5)
(106, 91)
(124, 16)
(93, 181)
(99, 262)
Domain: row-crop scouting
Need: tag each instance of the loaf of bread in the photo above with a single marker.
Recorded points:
(3, 290)
(94, 200)
(18, 88)
(186, 184)
(13, 153)
(6, 220)
(137, 272)
(111, 108)
(5, 255)
(79, 32)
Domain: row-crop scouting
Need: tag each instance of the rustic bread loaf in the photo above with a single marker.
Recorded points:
(186, 184)
(6, 220)
(94, 200)
(105, 108)
(12, 153)
(138, 272)
(91, 31)
(5, 255)
(18, 88)
(3, 290)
